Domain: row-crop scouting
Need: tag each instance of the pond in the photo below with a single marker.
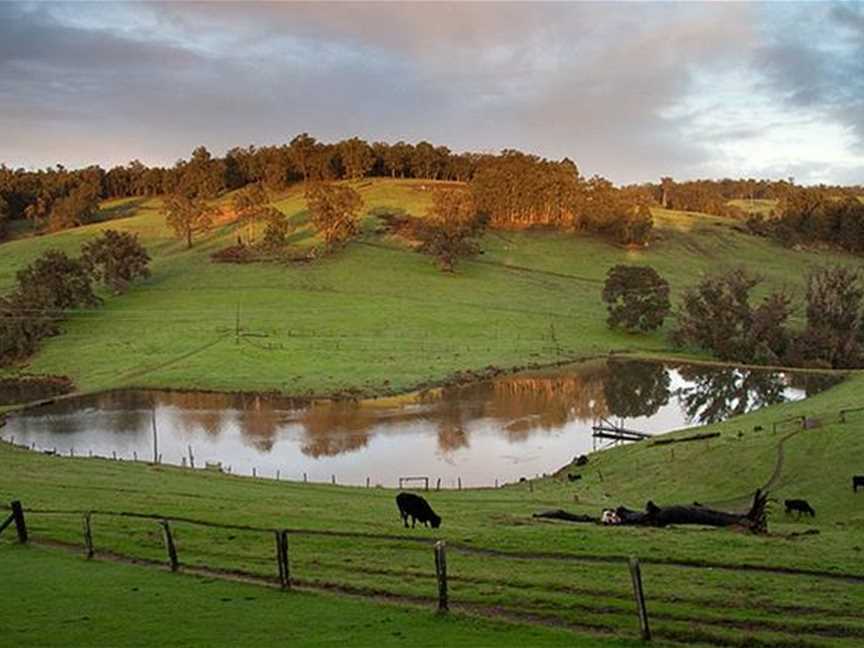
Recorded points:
(502, 429)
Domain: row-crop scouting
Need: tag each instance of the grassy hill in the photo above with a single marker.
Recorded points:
(375, 318)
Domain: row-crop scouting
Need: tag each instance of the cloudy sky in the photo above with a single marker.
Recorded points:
(629, 91)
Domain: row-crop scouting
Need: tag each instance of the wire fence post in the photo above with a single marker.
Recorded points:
(88, 536)
(441, 575)
(169, 545)
(639, 595)
(20, 523)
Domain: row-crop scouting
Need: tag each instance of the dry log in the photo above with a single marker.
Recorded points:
(568, 517)
(754, 520)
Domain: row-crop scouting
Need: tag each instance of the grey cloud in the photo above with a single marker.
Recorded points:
(592, 81)
(820, 65)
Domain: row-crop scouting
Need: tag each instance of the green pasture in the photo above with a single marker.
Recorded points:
(376, 318)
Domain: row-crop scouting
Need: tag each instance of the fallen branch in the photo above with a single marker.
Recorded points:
(567, 517)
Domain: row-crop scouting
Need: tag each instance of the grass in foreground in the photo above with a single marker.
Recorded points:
(55, 599)
(376, 318)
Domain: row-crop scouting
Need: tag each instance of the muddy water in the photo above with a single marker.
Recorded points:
(501, 429)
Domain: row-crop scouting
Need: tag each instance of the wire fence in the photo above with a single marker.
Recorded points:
(725, 605)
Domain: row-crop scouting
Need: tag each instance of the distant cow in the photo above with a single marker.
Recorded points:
(581, 460)
(573, 477)
(418, 508)
(800, 506)
(857, 480)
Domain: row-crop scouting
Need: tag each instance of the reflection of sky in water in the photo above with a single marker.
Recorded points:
(502, 429)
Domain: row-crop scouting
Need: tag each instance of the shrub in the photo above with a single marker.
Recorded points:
(637, 298)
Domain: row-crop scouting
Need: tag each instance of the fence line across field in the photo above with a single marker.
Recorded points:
(284, 575)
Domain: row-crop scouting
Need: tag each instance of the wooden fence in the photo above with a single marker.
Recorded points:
(173, 559)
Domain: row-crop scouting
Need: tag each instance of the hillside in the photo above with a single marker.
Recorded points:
(375, 318)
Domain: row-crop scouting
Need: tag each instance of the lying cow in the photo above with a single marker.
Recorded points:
(418, 508)
(573, 477)
(857, 480)
(800, 506)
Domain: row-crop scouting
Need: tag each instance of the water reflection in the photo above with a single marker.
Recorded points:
(499, 429)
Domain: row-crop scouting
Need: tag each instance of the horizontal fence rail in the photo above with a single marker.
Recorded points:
(537, 587)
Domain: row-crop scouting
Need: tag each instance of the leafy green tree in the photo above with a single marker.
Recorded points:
(357, 158)
(451, 228)
(635, 227)
(249, 204)
(301, 149)
(23, 324)
(75, 209)
(716, 315)
(277, 228)
(56, 282)
(116, 259)
(636, 297)
(50, 285)
(334, 211)
(202, 176)
(187, 216)
(4, 217)
(833, 335)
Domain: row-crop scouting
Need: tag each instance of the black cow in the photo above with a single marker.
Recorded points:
(857, 480)
(800, 506)
(418, 508)
(573, 477)
(581, 460)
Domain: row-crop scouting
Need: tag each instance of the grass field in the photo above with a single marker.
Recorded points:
(376, 318)
(801, 585)
(60, 600)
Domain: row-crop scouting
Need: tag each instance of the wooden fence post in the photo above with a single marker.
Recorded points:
(459, 482)
(169, 545)
(88, 536)
(20, 524)
(282, 553)
(441, 574)
(639, 595)
(282, 558)
(438, 485)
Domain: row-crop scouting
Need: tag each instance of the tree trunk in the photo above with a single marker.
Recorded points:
(754, 520)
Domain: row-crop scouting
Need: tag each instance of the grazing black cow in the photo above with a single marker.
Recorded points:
(418, 508)
(573, 477)
(800, 506)
(857, 480)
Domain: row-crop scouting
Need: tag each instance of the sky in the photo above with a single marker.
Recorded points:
(630, 91)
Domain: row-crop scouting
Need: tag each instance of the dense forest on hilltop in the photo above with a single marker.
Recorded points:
(514, 189)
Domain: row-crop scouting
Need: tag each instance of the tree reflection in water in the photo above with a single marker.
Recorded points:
(635, 389)
(718, 393)
(513, 408)
(333, 428)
